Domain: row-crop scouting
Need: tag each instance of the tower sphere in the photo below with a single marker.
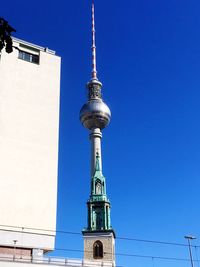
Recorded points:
(95, 114)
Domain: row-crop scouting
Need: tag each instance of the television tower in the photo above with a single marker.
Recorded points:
(95, 115)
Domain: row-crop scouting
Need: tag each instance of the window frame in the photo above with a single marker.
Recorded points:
(29, 57)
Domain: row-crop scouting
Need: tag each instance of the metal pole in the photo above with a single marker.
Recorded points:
(190, 249)
(15, 241)
(22, 243)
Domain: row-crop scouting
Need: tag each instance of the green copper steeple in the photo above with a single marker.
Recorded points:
(98, 186)
(98, 203)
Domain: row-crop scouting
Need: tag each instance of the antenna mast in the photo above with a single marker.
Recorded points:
(94, 70)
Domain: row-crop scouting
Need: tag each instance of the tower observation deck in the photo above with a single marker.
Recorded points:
(95, 115)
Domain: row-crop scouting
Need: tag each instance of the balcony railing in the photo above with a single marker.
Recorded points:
(56, 261)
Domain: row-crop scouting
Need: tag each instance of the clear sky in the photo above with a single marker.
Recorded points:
(148, 59)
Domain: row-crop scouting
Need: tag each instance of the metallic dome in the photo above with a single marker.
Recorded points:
(95, 114)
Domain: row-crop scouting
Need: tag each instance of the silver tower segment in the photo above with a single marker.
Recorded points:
(95, 114)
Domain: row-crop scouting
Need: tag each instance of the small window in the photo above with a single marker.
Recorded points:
(98, 250)
(98, 187)
(28, 57)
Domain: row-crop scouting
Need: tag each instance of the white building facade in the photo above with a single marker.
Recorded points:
(29, 127)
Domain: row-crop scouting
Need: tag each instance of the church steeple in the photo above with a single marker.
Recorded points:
(98, 187)
(99, 237)
(98, 204)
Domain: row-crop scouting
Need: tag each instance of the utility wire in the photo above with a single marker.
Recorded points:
(78, 233)
(126, 255)
(152, 241)
(131, 255)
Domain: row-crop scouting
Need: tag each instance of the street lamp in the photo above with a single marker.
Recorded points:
(189, 238)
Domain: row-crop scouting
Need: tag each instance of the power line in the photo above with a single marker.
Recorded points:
(37, 229)
(152, 241)
(78, 233)
(130, 255)
(125, 255)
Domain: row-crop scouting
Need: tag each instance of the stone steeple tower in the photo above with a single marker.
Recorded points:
(99, 237)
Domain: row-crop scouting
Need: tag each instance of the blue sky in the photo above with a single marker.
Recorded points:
(148, 59)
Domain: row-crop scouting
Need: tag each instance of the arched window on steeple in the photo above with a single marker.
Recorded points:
(98, 187)
(98, 250)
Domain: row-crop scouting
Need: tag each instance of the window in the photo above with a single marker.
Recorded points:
(98, 250)
(98, 187)
(29, 57)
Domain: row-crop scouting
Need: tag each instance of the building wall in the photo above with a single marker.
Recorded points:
(29, 121)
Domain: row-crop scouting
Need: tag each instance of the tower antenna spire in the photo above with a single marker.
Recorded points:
(94, 70)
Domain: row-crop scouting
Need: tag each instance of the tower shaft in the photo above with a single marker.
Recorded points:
(95, 138)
